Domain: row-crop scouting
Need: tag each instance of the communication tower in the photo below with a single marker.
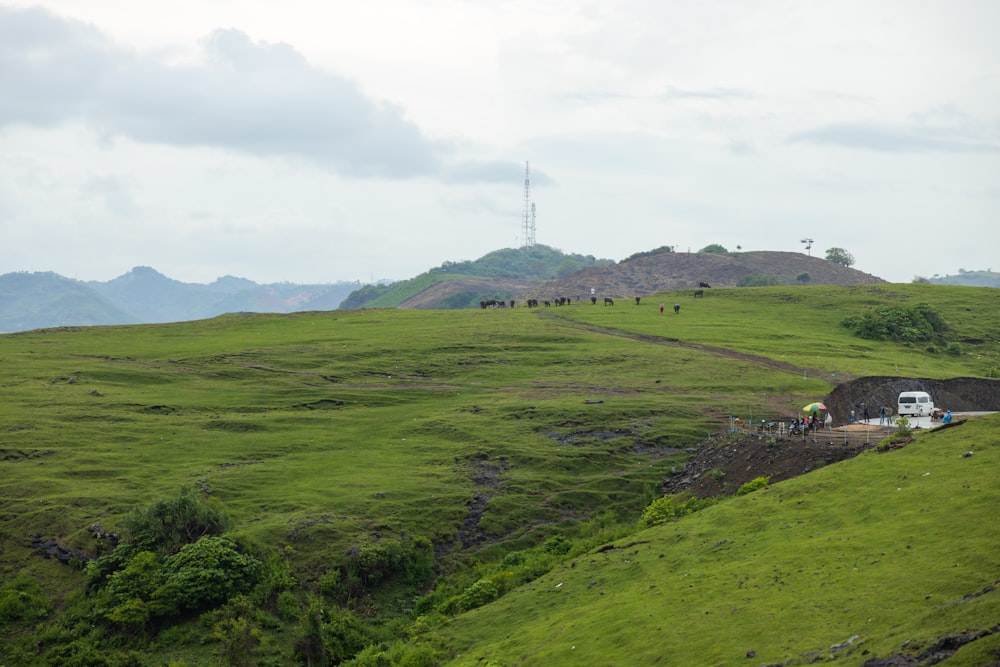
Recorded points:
(528, 218)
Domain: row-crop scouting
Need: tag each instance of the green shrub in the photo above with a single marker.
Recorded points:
(167, 524)
(287, 606)
(481, 592)
(275, 577)
(671, 508)
(22, 599)
(920, 322)
(207, 572)
(135, 587)
(557, 546)
(753, 485)
(405, 560)
(717, 474)
(235, 625)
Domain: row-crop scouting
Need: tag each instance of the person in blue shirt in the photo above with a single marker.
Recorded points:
(947, 418)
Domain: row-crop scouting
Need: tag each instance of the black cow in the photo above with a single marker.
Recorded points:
(677, 309)
(698, 293)
(608, 301)
(703, 285)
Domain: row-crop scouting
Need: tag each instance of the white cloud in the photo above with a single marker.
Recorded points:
(315, 142)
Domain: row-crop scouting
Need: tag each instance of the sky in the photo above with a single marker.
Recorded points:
(313, 142)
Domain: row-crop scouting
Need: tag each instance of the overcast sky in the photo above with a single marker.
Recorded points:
(308, 141)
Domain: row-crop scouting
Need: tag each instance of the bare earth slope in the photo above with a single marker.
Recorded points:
(673, 271)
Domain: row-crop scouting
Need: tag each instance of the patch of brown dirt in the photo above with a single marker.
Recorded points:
(721, 465)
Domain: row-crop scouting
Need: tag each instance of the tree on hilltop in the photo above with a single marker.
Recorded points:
(715, 248)
(839, 256)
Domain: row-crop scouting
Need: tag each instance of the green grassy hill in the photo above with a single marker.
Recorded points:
(397, 483)
(883, 555)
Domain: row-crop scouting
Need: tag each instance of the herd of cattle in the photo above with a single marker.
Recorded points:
(565, 300)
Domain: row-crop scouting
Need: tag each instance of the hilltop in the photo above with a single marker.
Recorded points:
(665, 272)
(640, 276)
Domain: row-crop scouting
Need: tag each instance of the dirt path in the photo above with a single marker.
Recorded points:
(675, 342)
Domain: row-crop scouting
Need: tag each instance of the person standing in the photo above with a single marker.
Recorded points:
(864, 412)
(881, 416)
(888, 415)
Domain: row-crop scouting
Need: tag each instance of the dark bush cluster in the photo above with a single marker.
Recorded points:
(920, 322)
(173, 561)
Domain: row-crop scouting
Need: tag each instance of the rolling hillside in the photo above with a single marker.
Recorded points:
(493, 487)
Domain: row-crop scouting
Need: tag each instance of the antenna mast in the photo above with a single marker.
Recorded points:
(528, 217)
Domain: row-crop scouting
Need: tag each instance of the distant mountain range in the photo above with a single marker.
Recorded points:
(143, 295)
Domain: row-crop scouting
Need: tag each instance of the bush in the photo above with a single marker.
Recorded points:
(22, 599)
(671, 508)
(754, 485)
(169, 523)
(481, 592)
(385, 561)
(557, 546)
(920, 322)
(208, 572)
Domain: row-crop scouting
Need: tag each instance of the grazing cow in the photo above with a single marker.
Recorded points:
(482, 304)
(677, 309)
(698, 293)
(608, 301)
(512, 303)
(547, 303)
(593, 300)
(637, 300)
(703, 285)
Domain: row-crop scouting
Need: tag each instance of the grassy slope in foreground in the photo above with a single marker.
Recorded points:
(884, 547)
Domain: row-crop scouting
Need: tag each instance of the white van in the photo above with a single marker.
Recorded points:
(915, 404)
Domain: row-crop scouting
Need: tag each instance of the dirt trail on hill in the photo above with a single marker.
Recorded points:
(666, 340)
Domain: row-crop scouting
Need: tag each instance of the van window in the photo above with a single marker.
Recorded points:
(923, 399)
(907, 399)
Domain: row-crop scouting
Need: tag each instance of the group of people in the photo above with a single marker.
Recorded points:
(884, 415)
(810, 422)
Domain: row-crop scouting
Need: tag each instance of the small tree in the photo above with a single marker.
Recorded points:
(839, 256)
(715, 248)
(803, 277)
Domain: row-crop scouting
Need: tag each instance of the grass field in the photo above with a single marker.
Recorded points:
(535, 436)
